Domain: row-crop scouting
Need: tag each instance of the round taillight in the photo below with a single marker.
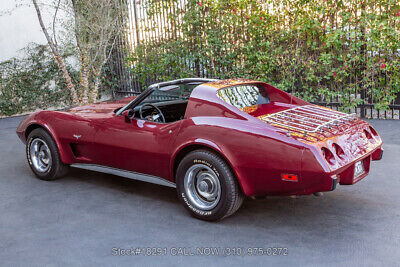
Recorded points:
(338, 150)
(373, 131)
(369, 136)
(328, 155)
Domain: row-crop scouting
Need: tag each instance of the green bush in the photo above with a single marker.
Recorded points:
(321, 50)
(32, 82)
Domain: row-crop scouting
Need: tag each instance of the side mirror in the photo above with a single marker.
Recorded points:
(127, 116)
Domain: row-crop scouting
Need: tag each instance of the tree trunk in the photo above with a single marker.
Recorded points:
(95, 92)
(84, 82)
(57, 56)
(84, 77)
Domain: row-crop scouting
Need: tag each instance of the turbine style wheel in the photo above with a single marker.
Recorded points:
(43, 156)
(207, 187)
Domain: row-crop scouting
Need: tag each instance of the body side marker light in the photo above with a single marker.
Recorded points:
(290, 177)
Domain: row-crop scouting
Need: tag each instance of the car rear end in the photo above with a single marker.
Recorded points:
(339, 146)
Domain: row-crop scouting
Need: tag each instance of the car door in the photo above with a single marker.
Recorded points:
(136, 145)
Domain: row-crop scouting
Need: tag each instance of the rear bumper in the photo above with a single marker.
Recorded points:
(377, 154)
(328, 181)
(315, 181)
(346, 176)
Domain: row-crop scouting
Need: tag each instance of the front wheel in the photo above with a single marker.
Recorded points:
(207, 187)
(43, 156)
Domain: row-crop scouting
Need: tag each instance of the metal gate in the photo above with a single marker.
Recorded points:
(136, 30)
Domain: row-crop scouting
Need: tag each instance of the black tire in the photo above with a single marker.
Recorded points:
(56, 168)
(231, 196)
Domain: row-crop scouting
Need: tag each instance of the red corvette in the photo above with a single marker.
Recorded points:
(216, 141)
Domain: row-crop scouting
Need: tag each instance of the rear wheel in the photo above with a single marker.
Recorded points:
(207, 187)
(43, 156)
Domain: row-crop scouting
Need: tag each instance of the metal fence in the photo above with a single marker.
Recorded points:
(138, 28)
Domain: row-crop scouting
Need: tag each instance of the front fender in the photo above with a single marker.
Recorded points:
(40, 120)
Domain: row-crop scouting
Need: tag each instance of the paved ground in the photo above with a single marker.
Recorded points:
(82, 217)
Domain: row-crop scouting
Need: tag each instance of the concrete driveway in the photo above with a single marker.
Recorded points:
(86, 217)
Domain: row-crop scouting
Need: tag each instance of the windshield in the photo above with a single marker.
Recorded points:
(170, 93)
(179, 92)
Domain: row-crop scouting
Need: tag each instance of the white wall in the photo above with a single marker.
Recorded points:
(18, 29)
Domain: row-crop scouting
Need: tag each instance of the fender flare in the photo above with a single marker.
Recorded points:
(215, 148)
(65, 158)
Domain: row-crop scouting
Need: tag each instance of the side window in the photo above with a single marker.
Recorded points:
(242, 96)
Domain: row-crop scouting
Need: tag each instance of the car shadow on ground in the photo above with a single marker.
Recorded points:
(340, 210)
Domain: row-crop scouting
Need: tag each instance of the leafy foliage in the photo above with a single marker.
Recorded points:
(97, 26)
(33, 82)
(323, 50)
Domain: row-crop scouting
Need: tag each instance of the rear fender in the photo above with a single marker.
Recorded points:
(211, 146)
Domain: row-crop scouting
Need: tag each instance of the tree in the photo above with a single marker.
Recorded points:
(95, 25)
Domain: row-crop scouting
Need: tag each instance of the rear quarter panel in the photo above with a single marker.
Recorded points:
(258, 157)
(257, 153)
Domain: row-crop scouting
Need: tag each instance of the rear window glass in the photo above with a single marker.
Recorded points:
(242, 96)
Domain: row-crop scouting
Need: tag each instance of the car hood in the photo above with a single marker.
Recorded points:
(105, 107)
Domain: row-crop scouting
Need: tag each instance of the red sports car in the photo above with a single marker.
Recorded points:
(216, 141)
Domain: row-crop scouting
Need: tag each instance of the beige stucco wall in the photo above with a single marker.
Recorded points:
(19, 28)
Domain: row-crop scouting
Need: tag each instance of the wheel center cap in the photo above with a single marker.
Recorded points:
(203, 186)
